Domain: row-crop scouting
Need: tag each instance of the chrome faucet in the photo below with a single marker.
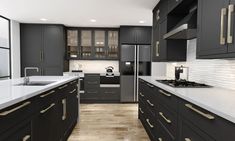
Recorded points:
(26, 78)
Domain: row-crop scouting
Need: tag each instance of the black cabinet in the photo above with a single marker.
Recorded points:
(42, 46)
(172, 4)
(135, 35)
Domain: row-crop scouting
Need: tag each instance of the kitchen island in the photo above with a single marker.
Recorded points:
(47, 109)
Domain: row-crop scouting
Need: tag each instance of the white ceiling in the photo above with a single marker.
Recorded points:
(108, 13)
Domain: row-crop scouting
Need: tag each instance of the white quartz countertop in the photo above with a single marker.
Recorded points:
(216, 100)
(12, 94)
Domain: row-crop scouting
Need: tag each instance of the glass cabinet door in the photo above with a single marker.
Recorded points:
(72, 43)
(100, 52)
(86, 43)
(112, 52)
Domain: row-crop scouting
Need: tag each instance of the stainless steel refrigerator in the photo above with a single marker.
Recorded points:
(135, 61)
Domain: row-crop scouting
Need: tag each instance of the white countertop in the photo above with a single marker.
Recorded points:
(216, 100)
(12, 94)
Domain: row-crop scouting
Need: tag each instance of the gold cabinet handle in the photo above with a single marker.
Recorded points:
(64, 116)
(5, 113)
(229, 32)
(26, 138)
(157, 48)
(160, 139)
(151, 104)
(141, 94)
(162, 115)
(223, 14)
(48, 108)
(150, 125)
(164, 93)
(151, 86)
(158, 15)
(142, 112)
(208, 116)
(62, 87)
(73, 82)
(187, 139)
(47, 94)
(73, 91)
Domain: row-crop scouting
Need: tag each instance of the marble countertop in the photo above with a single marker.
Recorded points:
(12, 94)
(216, 100)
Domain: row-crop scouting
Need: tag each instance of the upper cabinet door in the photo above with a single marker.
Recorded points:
(231, 27)
(212, 21)
(127, 35)
(143, 35)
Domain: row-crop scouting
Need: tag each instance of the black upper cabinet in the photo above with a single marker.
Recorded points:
(172, 4)
(42, 46)
(135, 35)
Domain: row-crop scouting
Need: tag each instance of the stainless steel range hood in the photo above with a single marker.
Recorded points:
(185, 29)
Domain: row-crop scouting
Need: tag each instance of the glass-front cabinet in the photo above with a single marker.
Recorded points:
(93, 43)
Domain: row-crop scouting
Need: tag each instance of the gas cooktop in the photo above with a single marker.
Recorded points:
(183, 84)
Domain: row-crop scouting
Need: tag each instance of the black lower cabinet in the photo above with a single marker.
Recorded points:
(178, 120)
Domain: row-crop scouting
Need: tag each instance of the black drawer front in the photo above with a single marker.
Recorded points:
(150, 106)
(110, 93)
(13, 115)
(168, 118)
(91, 94)
(190, 133)
(141, 110)
(109, 80)
(48, 97)
(168, 99)
(163, 134)
(150, 125)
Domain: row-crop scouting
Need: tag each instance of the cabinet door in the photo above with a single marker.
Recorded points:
(113, 45)
(209, 21)
(53, 49)
(31, 47)
(231, 45)
(155, 43)
(127, 35)
(143, 35)
(172, 4)
(162, 42)
(127, 88)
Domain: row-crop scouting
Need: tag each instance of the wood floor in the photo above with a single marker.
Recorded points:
(109, 122)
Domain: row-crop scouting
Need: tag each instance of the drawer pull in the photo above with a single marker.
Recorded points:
(187, 139)
(142, 112)
(160, 139)
(45, 95)
(141, 94)
(26, 138)
(63, 87)
(73, 82)
(73, 91)
(208, 116)
(164, 93)
(64, 116)
(150, 125)
(48, 108)
(151, 86)
(151, 104)
(14, 109)
(162, 115)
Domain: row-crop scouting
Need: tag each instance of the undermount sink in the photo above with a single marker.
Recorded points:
(36, 83)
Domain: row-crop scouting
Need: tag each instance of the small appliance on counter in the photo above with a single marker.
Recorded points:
(181, 73)
(109, 71)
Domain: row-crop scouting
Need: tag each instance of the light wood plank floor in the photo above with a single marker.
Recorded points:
(109, 122)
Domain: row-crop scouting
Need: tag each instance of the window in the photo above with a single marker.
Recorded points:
(5, 49)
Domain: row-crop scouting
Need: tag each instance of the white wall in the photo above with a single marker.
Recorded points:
(215, 72)
(158, 69)
(15, 49)
(93, 66)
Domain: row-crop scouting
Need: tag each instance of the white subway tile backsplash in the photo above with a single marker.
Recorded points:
(215, 72)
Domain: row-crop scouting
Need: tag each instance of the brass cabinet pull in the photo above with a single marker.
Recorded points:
(151, 104)
(48, 108)
(150, 125)
(26, 138)
(229, 32)
(160, 139)
(162, 115)
(142, 112)
(164, 93)
(141, 94)
(15, 109)
(151, 86)
(64, 116)
(187, 139)
(223, 14)
(73, 82)
(208, 116)
(45, 95)
(73, 91)
(157, 48)
(158, 15)
(62, 87)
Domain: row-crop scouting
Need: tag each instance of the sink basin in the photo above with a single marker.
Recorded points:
(36, 83)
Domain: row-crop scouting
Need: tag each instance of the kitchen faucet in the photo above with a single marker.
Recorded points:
(26, 78)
